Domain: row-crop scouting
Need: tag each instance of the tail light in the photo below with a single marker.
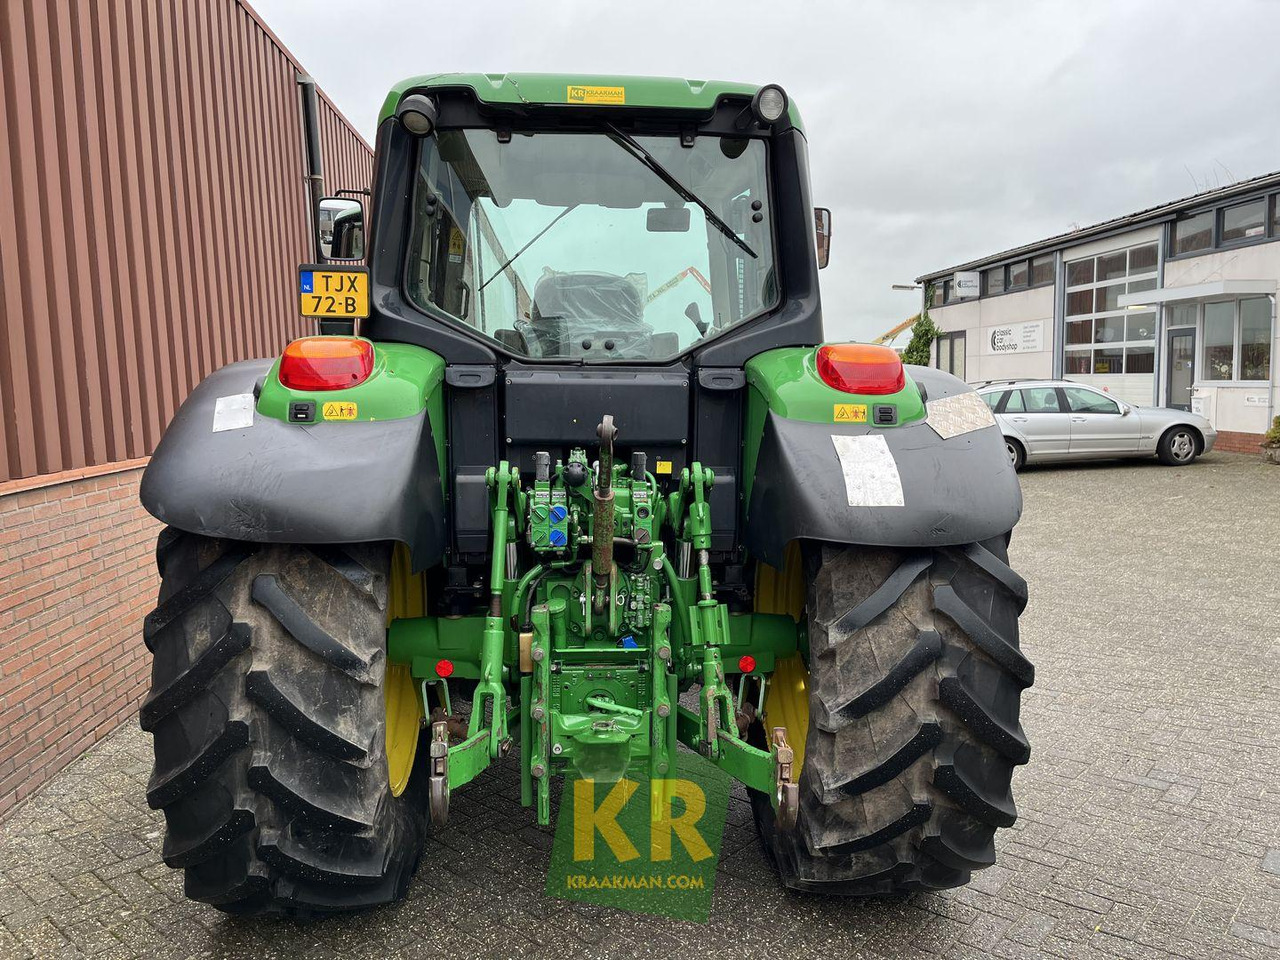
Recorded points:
(326, 363)
(861, 368)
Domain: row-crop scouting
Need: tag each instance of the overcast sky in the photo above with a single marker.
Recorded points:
(938, 131)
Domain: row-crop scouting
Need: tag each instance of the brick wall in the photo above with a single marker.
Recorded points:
(77, 575)
(1231, 441)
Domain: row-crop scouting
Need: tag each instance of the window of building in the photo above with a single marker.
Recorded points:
(1219, 341)
(1101, 337)
(1081, 271)
(1143, 260)
(1244, 221)
(1140, 360)
(1079, 302)
(947, 293)
(1255, 338)
(1041, 271)
(1113, 265)
(1193, 233)
(993, 281)
(936, 294)
(1181, 315)
(951, 353)
(1018, 275)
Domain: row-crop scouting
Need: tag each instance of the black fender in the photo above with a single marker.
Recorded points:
(276, 482)
(953, 491)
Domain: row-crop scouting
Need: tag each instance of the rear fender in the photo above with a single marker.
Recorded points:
(252, 475)
(918, 484)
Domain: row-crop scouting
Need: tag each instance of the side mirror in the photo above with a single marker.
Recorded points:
(822, 224)
(340, 226)
(1125, 409)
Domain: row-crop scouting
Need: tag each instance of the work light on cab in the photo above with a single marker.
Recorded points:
(417, 114)
(865, 368)
(769, 103)
(326, 363)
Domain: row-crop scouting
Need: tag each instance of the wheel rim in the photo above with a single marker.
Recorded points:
(1182, 446)
(786, 699)
(1012, 451)
(404, 714)
(786, 704)
(406, 597)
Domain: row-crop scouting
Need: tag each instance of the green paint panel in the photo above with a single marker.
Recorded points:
(553, 89)
(423, 641)
(405, 380)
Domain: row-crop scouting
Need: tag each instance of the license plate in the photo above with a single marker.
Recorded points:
(341, 294)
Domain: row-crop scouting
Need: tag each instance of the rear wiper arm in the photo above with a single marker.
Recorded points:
(632, 146)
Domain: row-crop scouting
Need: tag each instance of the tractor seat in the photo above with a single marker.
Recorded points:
(598, 298)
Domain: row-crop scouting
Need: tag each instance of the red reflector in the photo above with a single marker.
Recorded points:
(326, 363)
(444, 668)
(746, 663)
(861, 368)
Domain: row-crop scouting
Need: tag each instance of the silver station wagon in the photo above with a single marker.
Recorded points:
(1048, 420)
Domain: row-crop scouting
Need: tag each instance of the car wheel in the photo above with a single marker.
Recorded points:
(1017, 455)
(1178, 447)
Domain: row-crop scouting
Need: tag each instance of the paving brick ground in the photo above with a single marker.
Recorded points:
(1150, 811)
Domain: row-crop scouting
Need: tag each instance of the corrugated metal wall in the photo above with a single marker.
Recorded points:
(157, 215)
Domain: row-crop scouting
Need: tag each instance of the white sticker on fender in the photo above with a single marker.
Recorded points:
(871, 477)
(959, 414)
(233, 413)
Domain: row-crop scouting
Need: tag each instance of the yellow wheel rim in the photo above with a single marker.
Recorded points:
(407, 597)
(786, 704)
(786, 701)
(404, 713)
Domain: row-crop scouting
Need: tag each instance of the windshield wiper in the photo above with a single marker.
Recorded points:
(556, 219)
(633, 146)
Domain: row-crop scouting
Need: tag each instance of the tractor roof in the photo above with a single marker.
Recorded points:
(570, 88)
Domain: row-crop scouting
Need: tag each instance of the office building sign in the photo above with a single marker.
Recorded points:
(1014, 338)
(965, 284)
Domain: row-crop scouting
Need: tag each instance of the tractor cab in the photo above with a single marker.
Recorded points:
(545, 220)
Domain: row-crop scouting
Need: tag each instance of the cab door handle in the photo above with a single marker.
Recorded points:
(1079, 420)
(1018, 419)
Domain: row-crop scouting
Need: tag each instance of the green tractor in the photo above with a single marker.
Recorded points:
(587, 485)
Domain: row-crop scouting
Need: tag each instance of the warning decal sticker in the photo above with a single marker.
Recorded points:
(339, 410)
(850, 413)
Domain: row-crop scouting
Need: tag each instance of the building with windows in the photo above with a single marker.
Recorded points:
(1173, 306)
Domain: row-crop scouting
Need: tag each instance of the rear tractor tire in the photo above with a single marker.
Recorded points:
(910, 700)
(284, 742)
